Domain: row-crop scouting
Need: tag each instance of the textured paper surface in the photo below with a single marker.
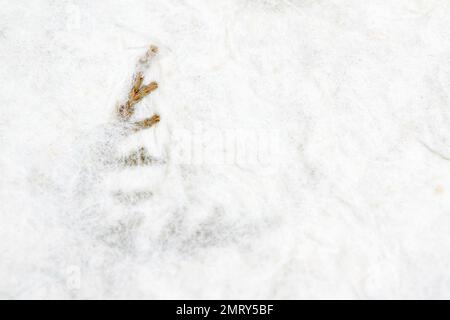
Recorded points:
(303, 150)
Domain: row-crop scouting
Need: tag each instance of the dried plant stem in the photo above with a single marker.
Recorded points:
(138, 158)
(138, 92)
(146, 123)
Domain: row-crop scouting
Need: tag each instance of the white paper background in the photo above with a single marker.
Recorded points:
(351, 200)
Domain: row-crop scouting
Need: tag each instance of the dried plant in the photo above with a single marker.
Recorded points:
(125, 111)
(146, 123)
(141, 157)
(138, 92)
(151, 52)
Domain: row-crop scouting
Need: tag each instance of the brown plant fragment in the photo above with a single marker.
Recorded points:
(138, 90)
(146, 123)
(126, 111)
(137, 93)
(140, 157)
(151, 52)
(136, 86)
(145, 90)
